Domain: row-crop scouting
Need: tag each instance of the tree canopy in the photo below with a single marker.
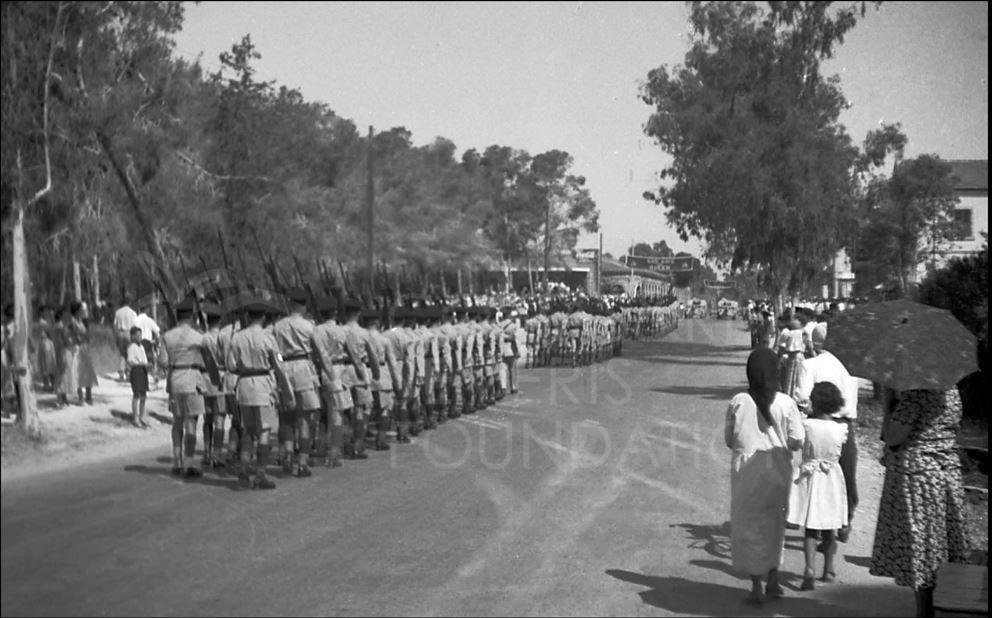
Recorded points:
(761, 170)
(154, 161)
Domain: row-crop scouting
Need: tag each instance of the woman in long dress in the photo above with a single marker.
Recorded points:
(763, 427)
(921, 513)
(47, 359)
(76, 364)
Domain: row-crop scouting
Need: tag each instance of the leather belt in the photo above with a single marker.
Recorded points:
(341, 361)
(197, 367)
(247, 373)
(293, 357)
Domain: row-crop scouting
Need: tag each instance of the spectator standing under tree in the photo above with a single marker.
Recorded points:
(150, 332)
(77, 373)
(137, 371)
(124, 320)
(47, 359)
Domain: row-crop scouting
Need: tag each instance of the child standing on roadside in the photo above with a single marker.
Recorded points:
(818, 500)
(137, 367)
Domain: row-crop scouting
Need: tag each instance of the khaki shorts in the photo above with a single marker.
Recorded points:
(383, 401)
(215, 405)
(361, 395)
(185, 405)
(307, 400)
(338, 401)
(256, 419)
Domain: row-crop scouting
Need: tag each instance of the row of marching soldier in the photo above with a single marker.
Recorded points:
(324, 387)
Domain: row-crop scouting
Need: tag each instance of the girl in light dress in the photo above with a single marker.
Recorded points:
(818, 501)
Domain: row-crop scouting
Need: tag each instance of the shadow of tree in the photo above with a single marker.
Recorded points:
(231, 484)
(714, 539)
(670, 360)
(685, 597)
(861, 561)
(162, 418)
(724, 393)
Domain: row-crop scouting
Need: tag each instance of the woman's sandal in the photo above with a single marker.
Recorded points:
(828, 577)
(774, 592)
(808, 583)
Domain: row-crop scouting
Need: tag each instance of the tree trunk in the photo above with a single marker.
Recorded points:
(62, 285)
(77, 280)
(143, 224)
(96, 282)
(547, 246)
(22, 324)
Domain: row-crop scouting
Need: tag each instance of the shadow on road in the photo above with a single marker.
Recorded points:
(668, 360)
(724, 393)
(681, 348)
(714, 539)
(162, 418)
(860, 561)
(166, 471)
(685, 597)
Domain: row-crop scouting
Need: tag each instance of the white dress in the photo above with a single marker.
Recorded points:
(819, 497)
(761, 474)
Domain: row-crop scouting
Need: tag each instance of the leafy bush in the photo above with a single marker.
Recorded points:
(962, 287)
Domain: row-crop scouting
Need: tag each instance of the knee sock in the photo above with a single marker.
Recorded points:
(262, 452)
(189, 446)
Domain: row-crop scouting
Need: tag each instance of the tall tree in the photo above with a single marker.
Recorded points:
(909, 218)
(762, 170)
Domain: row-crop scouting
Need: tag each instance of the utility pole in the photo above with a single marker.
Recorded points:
(599, 267)
(547, 244)
(370, 205)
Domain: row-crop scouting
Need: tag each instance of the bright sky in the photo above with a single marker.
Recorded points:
(565, 75)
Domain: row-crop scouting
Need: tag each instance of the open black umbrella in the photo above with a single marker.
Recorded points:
(903, 345)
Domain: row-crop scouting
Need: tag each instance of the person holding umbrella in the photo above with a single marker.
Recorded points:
(919, 353)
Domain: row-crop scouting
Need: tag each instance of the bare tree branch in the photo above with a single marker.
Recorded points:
(200, 168)
(48, 76)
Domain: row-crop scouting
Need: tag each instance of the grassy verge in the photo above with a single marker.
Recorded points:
(976, 505)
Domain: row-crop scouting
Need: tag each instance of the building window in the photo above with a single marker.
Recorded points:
(962, 224)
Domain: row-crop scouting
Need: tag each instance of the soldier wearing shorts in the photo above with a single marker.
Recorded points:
(214, 399)
(403, 351)
(451, 364)
(355, 377)
(329, 344)
(182, 355)
(432, 365)
(467, 334)
(294, 336)
(386, 377)
(251, 356)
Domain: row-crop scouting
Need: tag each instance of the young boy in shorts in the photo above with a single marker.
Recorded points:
(137, 370)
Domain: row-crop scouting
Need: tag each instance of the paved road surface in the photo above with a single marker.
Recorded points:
(602, 490)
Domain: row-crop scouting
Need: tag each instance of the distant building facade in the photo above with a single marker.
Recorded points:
(971, 185)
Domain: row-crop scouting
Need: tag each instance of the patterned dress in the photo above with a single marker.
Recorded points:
(921, 514)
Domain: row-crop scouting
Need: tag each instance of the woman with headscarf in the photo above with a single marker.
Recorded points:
(763, 427)
(921, 514)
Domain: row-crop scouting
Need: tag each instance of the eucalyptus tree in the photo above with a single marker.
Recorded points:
(761, 169)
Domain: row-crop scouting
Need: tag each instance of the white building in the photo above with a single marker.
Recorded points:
(971, 184)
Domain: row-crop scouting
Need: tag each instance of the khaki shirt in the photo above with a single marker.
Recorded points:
(453, 336)
(181, 353)
(390, 373)
(294, 336)
(251, 350)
